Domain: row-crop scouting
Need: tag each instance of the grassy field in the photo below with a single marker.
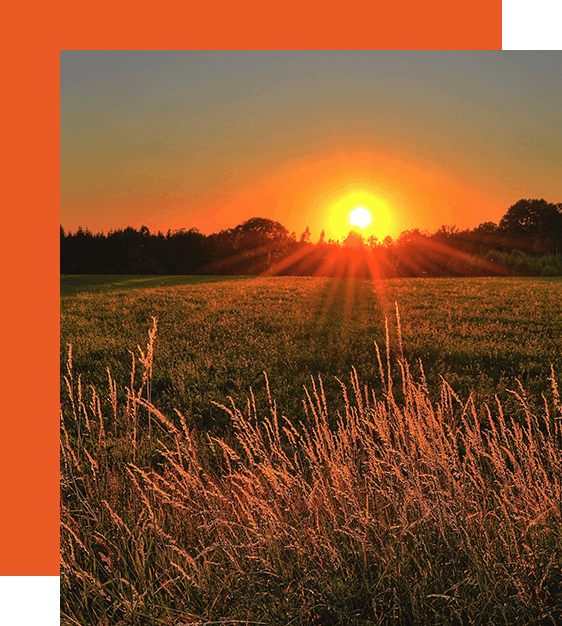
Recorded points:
(217, 337)
(392, 501)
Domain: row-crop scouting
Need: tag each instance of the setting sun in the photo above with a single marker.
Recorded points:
(350, 211)
(360, 217)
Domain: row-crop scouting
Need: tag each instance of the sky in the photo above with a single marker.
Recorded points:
(207, 140)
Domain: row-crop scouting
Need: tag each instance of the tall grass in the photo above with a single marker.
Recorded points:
(395, 510)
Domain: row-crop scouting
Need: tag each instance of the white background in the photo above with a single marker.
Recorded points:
(531, 25)
(29, 600)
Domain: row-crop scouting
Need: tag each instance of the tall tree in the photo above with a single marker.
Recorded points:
(305, 237)
(536, 223)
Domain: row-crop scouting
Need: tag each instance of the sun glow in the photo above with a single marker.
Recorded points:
(351, 211)
(360, 217)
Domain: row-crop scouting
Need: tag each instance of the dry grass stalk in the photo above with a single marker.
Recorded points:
(412, 503)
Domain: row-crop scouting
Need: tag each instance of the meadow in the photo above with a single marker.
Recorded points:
(290, 451)
(217, 335)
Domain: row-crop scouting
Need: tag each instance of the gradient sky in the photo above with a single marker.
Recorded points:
(210, 139)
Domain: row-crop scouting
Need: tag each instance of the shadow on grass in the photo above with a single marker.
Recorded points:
(72, 284)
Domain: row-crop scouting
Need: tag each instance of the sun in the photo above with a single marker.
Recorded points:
(360, 217)
(362, 210)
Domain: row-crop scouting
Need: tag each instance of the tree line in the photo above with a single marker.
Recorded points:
(527, 240)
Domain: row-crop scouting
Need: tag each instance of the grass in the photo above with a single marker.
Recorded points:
(395, 509)
(217, 338)
(106, 283)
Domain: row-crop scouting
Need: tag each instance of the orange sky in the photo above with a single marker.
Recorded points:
(210, 139)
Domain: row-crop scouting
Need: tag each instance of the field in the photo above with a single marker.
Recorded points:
(401, 500)
(216, 338)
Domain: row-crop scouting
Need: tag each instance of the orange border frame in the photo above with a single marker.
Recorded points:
(29, 524)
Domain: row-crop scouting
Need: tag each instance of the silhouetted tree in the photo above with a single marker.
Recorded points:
(184, 252)
(258, 231)
(251, 247)
(353, 240)
(305, 237)
(486, 228)
(534, 224)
